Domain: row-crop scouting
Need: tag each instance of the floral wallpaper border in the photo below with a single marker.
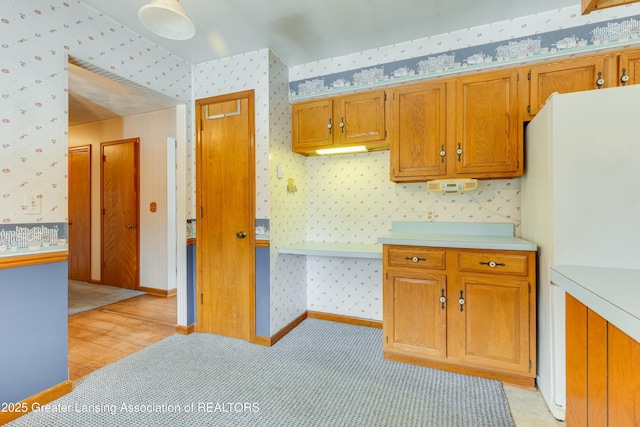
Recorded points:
(557, 43)
(19, 239)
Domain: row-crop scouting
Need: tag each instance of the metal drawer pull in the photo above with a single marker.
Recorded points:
(415, 259)
(461, 301)
(443, 299)
(493, 264)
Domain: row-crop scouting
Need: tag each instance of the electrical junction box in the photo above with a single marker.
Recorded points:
(452, 185)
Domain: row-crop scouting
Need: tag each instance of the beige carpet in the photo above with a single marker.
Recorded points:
(85, 296)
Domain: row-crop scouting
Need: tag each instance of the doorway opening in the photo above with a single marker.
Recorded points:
(104, 107)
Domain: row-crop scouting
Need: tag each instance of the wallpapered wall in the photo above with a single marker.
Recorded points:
(265, 73)
(351, 199)
(554, 28)
(287, 210)
(35, 39)
(335, 198)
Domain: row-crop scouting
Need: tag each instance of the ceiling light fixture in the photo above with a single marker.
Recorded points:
(167, 19)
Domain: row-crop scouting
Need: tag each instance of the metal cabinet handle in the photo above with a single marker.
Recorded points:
(459, 151)
(461, 301)
(342, 124)
(624, 78)
(414, 259)
(600, 81)
(442, 153)
(241, 234)
(443, 299)
(492, 264)
(131, 226)
(330, 126)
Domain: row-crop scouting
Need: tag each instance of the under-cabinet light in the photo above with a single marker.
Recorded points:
(342, 150)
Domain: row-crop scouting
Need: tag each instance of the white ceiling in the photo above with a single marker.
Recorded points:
(301, 31)
(298, 31)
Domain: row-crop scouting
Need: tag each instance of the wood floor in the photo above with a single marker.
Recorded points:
(102, 336)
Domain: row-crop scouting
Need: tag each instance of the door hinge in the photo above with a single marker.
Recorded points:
(387, 339)
(385, 96)
(529, 75)
(529, 287)
(385, 134)
(518, 77)
(103, 211)
(201, 212)
(529, 364)
(201, 126)
(104, 158)
(518, 164)
(529, 109)
(386, 275)
(201, 299)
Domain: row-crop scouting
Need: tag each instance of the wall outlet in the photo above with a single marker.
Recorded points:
(33, 204)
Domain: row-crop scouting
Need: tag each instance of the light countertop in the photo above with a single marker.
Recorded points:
(449, 235)
(498, 236)
(613, 293)
(344, 250)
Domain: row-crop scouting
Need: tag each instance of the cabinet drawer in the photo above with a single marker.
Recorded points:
(415, 256)
(493, 263)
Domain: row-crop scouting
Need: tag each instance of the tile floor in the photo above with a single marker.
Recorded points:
(528, 408)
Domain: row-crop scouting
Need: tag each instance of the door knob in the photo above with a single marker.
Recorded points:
(130, 226)
(241, 234)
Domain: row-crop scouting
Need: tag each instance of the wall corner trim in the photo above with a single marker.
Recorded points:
(31, 260)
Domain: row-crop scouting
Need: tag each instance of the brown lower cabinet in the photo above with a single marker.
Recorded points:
(603, 377)
(463, 310)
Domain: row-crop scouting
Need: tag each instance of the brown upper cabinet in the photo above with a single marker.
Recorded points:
(342, 121)
(581, 73)
(573, 75)
(418, 120)
(628, 67)
(464, 127)
(589, 6)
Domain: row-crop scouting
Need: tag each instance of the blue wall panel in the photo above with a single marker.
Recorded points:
(263, 300)
(191, 284)
(33, 330)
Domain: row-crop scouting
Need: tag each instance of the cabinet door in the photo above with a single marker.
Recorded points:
(629, 66)
(576, 359)
(488, 130)
(623, 379)
(418, 132)
(312, 125)
(360, 118)
(414, 318)
(573, 75)
(489, 323)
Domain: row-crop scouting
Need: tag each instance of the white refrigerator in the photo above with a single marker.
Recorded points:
(580, 199)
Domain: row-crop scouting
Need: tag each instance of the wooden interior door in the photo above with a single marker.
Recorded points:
(79, 217)
(225, 255)
(120, 214)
